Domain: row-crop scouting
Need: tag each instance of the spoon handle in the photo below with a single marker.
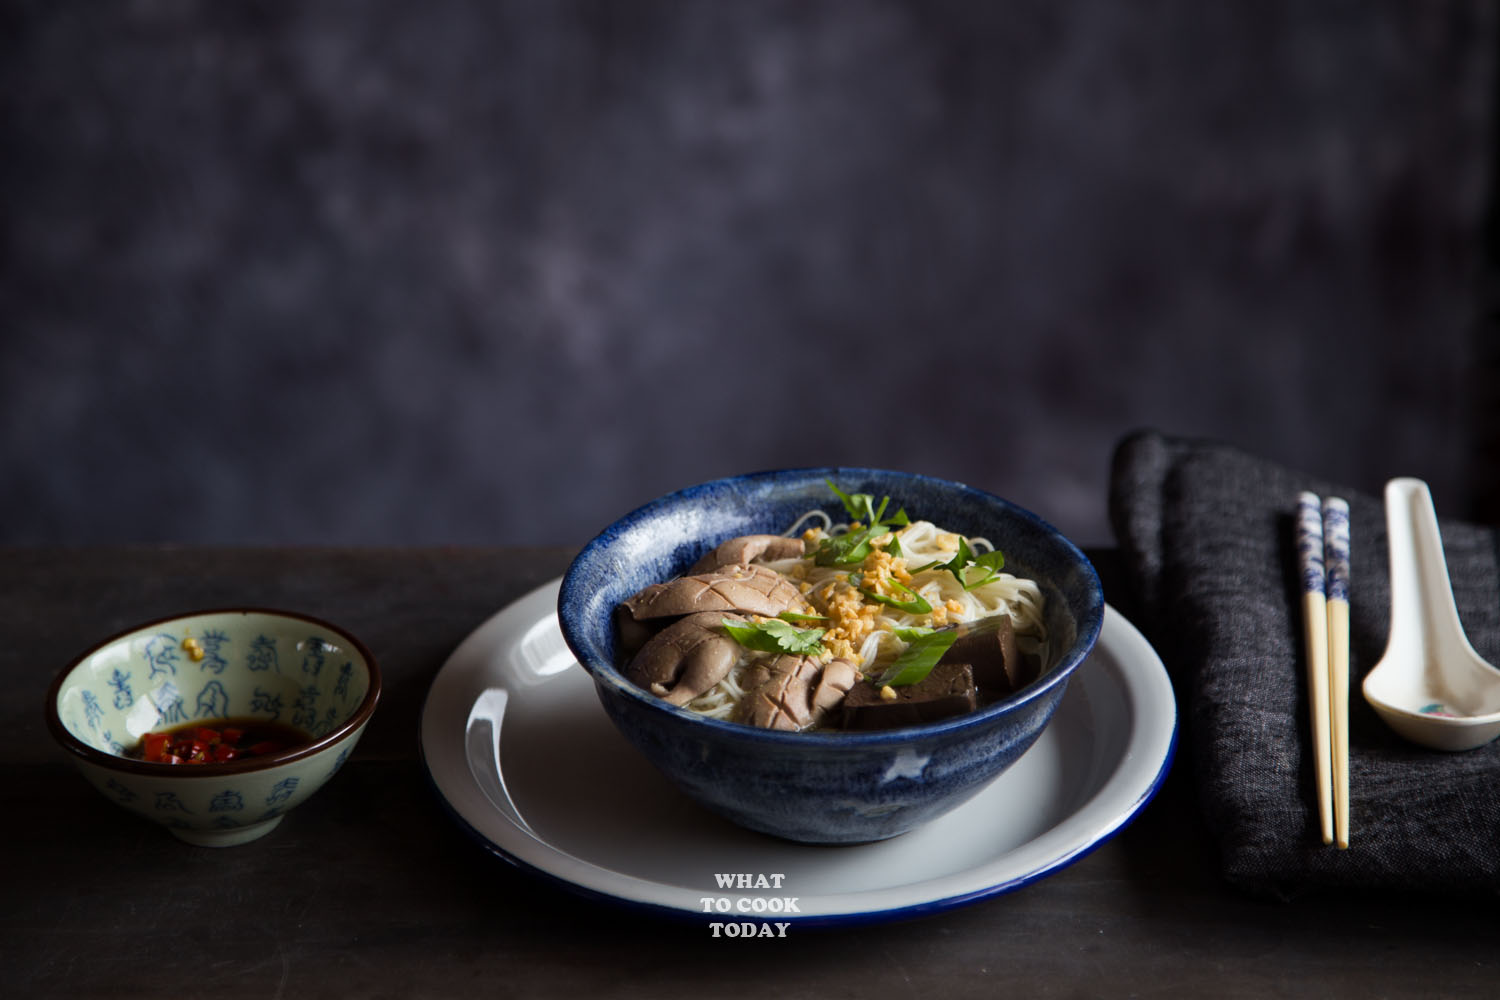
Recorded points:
(1423, 611)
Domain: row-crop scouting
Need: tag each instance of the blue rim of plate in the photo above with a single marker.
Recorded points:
(1121, 820)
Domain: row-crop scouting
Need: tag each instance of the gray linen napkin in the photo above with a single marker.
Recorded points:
(1205, 535)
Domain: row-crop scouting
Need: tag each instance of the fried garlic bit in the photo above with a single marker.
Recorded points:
(850, 619)
(942, 613)
(194, 648)
(880, 568)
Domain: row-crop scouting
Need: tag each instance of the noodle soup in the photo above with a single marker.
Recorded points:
(820, 782)
(872, 622)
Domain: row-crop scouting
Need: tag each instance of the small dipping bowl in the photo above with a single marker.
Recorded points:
(824, 787)
(205, 667)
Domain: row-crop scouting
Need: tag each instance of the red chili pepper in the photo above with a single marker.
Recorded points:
(207, 744)
(155, 745)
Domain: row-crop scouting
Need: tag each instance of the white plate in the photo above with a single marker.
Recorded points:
(517, 745)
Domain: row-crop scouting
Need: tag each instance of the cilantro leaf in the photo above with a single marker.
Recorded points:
(850, 548)
(992, 561)
(858, 504)
(861, 507)
(854, 546)
(775, 636)
(917, 660)
(964, 560)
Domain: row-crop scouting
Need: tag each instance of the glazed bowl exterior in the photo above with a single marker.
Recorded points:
(823, 787)
(257, 664)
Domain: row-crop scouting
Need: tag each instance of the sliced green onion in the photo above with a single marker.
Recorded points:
(914, 604)
(917, 660)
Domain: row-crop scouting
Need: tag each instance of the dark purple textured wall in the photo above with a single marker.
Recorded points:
(450, 272)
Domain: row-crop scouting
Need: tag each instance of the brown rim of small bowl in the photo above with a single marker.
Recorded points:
(82, 750)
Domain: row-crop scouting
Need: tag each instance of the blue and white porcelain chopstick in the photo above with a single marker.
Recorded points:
(1336, 558)
(1315, 632)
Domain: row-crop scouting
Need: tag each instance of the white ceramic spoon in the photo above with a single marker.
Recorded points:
(1430, 686)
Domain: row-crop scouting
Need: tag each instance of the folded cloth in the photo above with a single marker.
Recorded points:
(1206, 539)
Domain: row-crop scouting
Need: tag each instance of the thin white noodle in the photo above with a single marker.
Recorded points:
(798, 526)
(720, 701)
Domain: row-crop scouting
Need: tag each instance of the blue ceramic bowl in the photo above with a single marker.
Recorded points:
(823, 787)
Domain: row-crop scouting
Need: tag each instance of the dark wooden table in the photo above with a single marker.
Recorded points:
(370, 890)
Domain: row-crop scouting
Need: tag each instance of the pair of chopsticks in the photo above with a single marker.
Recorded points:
(1323, 541)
